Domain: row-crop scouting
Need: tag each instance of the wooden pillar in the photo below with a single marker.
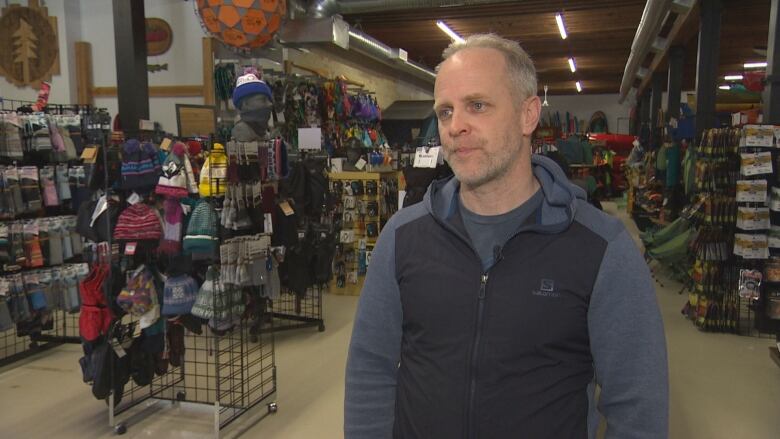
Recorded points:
(209, 97)
(707, 64)
(84, 84)
(131, 77)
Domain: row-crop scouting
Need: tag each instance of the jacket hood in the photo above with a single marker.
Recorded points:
(558, 208)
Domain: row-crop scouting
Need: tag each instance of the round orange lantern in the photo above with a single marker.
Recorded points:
(243, 24)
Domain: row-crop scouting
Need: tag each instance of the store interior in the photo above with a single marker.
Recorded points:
(192, 191)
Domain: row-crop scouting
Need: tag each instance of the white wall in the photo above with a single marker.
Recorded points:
(583, 107)
(184, 58)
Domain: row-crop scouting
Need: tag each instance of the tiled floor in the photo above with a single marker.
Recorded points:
(722, 386)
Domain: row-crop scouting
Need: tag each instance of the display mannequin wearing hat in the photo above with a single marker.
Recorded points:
(252, 98)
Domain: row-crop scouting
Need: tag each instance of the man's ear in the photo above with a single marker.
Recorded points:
(531, 110)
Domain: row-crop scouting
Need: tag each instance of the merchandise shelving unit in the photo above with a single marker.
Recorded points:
(357, 225)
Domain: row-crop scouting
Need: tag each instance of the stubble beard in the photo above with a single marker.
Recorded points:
(488, 167)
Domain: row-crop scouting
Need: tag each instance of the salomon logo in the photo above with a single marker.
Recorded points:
(546, 289)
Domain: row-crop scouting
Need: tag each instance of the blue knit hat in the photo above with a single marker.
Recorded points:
(179, 295)
(247, 85)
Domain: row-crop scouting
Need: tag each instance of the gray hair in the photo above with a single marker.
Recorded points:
(522, 72)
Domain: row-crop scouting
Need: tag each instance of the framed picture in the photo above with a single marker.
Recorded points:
(196, 120)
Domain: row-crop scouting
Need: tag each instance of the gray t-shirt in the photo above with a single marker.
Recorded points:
(490, 232)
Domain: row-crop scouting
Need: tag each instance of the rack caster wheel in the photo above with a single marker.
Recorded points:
(181, 395)
(120, 429)
(321, 328)
(272, 407)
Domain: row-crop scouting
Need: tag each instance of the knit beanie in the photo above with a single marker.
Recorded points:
(201, 238)
(173, 181)
(204, 301)
(194, 147)
(172, 227)
(138, 222)
(179, 295)
(247, 85)
(213, 175)
(140, 166)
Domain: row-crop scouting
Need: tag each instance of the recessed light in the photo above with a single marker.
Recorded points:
(572, 67)
(754, 65)
(579, 86)
(733, 77)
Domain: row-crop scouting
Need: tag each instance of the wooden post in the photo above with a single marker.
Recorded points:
(84, 73)
(209, 97)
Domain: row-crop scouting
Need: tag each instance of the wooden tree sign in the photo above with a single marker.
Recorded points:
(31, 38)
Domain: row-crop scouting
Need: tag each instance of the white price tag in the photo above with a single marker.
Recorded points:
(759, 135)
(133, 198)
(360, 164)
(426, 159)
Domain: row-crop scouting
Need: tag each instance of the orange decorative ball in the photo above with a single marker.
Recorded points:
(243, 24)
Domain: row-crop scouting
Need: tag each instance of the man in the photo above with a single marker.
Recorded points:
(491, 308)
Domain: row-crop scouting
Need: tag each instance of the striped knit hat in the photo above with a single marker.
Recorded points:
(201, 238)
(138, 222)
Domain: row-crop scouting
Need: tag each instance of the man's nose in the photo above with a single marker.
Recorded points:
(459, 124)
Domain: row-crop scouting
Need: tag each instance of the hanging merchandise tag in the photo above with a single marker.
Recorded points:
(130, 248)
(749, 284)
(759, 135)
(751, 246)
(120, 351)
(426, 159)
(310, 139)
(753, 218)
(774, 240)
(360, 164)
(166, 144)
(134, 198)
(286, 209)
(268, 225)
(756, 163)
(751, 191)
(89, 155)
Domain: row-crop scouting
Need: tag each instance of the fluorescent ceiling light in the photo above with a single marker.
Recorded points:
(579, 86)
(572, 67)
(733, 77)
(754, 65)
(724, 87)
(452, 34)
(561, 27)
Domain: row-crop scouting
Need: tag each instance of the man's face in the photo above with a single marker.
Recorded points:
(480, 119)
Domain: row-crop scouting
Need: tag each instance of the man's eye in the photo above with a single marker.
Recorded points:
(445, 113)
(479, 106)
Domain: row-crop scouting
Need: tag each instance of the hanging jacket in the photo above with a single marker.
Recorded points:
(444, 349)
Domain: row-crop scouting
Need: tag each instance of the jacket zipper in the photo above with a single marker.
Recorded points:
(471, 422)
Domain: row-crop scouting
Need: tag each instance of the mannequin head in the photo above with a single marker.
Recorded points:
(252, 98)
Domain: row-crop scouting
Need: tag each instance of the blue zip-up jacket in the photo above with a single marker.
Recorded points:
(444, 349)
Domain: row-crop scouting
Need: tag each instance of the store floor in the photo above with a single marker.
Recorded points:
(722, 386)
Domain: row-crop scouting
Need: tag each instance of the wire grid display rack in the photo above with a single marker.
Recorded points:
(226, 372)
(15, 347)
(291, 311)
